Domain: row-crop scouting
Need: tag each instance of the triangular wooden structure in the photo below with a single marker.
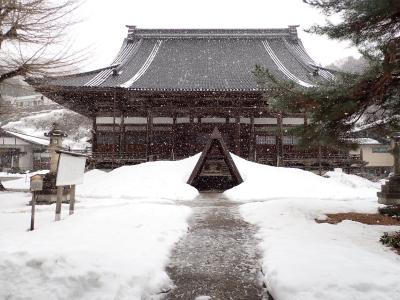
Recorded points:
(215, 169)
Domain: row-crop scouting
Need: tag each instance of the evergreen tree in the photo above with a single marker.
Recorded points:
(351, 100)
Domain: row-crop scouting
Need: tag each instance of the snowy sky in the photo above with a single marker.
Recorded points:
(103, 23)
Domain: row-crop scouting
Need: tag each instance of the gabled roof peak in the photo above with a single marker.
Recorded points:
(134, 33)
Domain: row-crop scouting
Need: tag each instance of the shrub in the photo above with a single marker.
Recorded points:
(391, 240)
(390, 210)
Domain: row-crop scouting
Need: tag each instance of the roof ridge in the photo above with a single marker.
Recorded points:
(134, 32)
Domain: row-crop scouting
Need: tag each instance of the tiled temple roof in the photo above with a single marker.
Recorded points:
(202, 60)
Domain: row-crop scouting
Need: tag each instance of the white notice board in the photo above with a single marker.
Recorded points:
(70, 169)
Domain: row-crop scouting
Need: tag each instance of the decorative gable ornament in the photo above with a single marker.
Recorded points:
(215, 170)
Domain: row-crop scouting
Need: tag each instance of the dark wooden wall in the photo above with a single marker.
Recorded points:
(117, 140)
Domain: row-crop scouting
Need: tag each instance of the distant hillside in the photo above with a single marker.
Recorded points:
(76, 126)
(350, 65)
(16, 87)
(18, 100)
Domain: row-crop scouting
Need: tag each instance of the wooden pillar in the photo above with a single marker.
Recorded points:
(173, 137)
(149, 133)
(279, 141)
(72, 200)
(252, 140)
(113, 131)
(122, 133)
(60, 190)
(319, 159)
(94, 134)
(33, 211)
(237, 135)
(121, 141)
(192, 146)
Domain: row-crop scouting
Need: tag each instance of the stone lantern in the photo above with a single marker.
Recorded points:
(56, 137)
(49, 193)
(390, 193)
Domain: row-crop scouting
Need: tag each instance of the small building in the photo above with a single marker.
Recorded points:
(21, 152)
(167, 89)
(376, 156)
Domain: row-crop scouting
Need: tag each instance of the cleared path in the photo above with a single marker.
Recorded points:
(218, 258)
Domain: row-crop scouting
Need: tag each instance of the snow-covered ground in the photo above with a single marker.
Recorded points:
(107, 250)
(116, 245)
(304, 260)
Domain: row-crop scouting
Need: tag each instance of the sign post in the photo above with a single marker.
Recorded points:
(70, 170)
(36, 185)
(60, 190)
(72, 200)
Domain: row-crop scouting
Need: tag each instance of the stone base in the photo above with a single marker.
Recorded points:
(390, 193)
(50, 197)
(49, 193)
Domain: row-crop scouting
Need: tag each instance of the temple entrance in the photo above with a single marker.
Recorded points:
(215, 170)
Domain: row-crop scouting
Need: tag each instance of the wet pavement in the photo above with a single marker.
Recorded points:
(218, 258)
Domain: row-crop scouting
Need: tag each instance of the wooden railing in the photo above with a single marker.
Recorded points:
(332, 157)
(126, 158)
(119, 158)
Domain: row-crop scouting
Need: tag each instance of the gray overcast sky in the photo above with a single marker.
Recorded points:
(103, 26)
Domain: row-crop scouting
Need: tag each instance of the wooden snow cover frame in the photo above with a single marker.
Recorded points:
(215, 170)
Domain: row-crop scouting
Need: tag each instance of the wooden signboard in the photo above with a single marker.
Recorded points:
(70, 171)
(215, 170)
(71, 167)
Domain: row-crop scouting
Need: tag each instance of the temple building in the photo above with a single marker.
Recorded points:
(166, 91)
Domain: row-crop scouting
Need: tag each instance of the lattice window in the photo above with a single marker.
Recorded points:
(106, 139)
(290, 140)
(381, 149)
(265, 140)
(138, 138)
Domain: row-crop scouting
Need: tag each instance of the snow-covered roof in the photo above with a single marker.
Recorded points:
(201, 60)
(365, 141)
(29, 138)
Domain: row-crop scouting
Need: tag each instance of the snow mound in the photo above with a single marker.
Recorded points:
(159, 179)
(93, 176)
(263, 182)
(353, 181)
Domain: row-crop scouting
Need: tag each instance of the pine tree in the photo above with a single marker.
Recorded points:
(369, 99)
